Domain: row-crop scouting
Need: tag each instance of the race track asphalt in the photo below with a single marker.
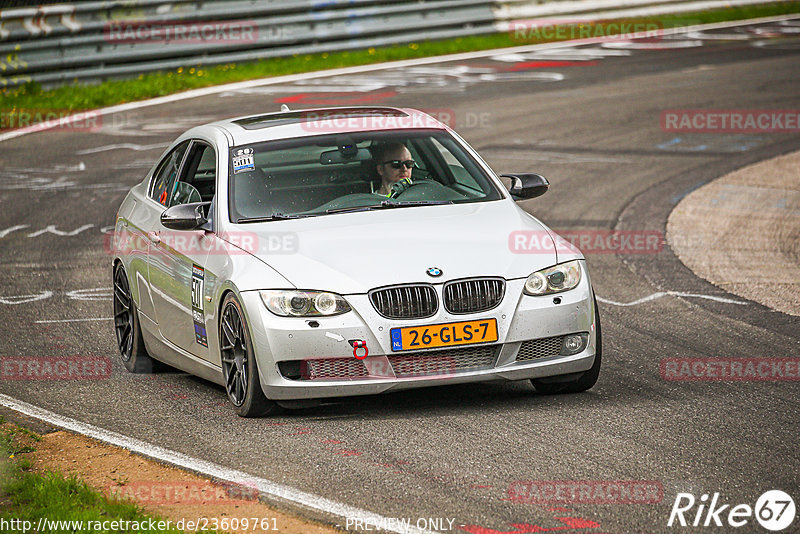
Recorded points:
(589, 119)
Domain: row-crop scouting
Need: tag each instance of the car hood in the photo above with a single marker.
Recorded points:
(351, 253)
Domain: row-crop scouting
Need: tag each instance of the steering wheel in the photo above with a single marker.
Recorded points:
(405, 187)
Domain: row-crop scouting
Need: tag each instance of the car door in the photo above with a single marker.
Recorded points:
(177, 258)
(142, 223)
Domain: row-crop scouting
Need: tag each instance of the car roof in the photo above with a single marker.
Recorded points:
(288, 124)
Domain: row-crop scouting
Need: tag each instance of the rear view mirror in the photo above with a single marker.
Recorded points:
(527, 185)
(344, 154)
(185, 216)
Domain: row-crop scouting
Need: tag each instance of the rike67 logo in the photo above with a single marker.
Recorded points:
(774, 510)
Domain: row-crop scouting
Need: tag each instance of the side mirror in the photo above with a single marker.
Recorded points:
(185, 216)
(527, 185)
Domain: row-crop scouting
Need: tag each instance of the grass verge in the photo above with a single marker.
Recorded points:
(76, 96)
(26, 497)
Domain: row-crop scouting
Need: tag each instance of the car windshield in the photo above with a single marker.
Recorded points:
(363, 171)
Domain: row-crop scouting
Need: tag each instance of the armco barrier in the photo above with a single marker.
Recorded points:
(96, 40)
(52, 44)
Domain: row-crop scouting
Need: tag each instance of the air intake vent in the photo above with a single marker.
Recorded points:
(533, 349)
(444, 362)
(472, 296)
(405, 302)
(323, 369)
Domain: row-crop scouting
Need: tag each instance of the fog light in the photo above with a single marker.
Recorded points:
(291, 369)
(574, 343)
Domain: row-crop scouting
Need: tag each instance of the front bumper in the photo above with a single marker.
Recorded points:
(520, 319)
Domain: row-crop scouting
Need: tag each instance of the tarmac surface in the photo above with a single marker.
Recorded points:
(743, 232)
(590, 119)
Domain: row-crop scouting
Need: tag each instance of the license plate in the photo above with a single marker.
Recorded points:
(444, 335)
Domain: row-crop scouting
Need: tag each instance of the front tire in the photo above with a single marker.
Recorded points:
(126, 326)
(239, 368)
(581, 382)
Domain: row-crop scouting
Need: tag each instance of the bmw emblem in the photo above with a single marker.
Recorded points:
(434, 271)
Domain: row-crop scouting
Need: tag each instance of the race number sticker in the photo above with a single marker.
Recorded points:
(243, 160)
(198, 275)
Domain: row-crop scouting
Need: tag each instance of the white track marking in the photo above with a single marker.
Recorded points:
(553, 157)
(99, 293)
(52, 230)
(22, 299)
(330, 88)
(660, 45)
(215, 471)
(660, 294)
(575, 54)
(703, 36)
(119, 146)
(74, 320)
(275, 80)
(96, 294)
(7, 231)
(530, 76)
(55, 169)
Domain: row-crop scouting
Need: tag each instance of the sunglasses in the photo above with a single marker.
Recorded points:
(398, 164)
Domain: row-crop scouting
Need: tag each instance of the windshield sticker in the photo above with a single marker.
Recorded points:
(243, 160)
(198, 274)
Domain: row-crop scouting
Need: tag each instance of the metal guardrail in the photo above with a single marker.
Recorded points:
(98, 40)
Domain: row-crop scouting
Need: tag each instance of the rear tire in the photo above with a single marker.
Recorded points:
(130, 342)
(582, 381)
(239, 368)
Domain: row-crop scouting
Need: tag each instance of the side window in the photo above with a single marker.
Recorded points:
(198, 176)
(165, 175)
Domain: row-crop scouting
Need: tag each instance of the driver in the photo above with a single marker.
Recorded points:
(393, 164)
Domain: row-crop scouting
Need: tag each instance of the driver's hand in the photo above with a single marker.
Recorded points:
(400, 186)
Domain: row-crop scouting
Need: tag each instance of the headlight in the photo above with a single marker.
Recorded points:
(292, 303)
(556, 279)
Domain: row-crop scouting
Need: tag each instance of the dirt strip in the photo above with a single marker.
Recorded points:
(741, 232)
(165, 491)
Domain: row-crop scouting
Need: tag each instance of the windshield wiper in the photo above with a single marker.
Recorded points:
(277, 216)
(401, 204)
(387, 204)
(353, 208)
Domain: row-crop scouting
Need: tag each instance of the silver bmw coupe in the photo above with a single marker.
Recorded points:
(302, 255)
